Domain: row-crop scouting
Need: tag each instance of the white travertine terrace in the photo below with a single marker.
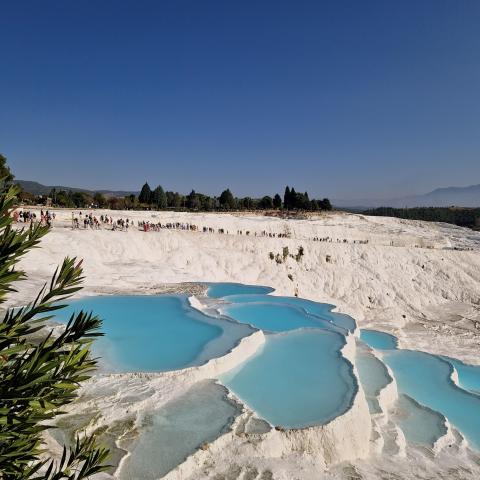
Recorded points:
(407, 280)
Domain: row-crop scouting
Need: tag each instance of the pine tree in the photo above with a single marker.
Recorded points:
(227, 200)
(326, 205)
(293, 198)
(277, 201)
(159, 198)
(287, 198)
(266, 202)
(145, 194)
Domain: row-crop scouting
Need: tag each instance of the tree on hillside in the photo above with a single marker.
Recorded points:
(302, 201)
(287, 198)
(99, 200)
(277, 201)
(60, 198)
(226, 200)
(293, 198)
(246, 203)
(130, 201)
(115, 203)
(159, 198)
(207, 203)
(41, 375)
(145, 194)
(266, 202)
(170, 196)
(81, 199)
(325, 204)
(193, 200)
(26, 197)
(53, 195)
(174, 199)
(5, 174)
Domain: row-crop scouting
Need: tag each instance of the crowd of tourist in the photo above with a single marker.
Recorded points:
(88, 220)
(147, 226)
(338, 240)
(26, 216)
(91, 221)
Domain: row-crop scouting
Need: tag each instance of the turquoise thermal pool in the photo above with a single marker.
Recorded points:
(427, 379)
(272, 317)
(298, 378)
(468, 375)
(419, 424)
(218, 290)
(378, 340)
(373, 375)
(158, 333)
(317, 311)
(175, 431)
(155, 333)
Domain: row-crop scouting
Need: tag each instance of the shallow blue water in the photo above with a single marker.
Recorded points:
(298, 379)
(320, 310)
(426, 378)
(468, 375)
(378, 340)
(419, 424)
(373, 375)
(176, 430)
(273, 317)
(147, 333)
(218, 290)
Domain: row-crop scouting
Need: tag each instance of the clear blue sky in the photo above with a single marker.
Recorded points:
(347, 99)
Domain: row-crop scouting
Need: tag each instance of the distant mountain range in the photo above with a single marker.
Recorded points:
(36, 188)
(440, 197)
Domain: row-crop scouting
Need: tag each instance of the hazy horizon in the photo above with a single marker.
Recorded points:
(346, 100)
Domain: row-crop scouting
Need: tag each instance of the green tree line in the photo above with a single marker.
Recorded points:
(463, 217)
(159, 199)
